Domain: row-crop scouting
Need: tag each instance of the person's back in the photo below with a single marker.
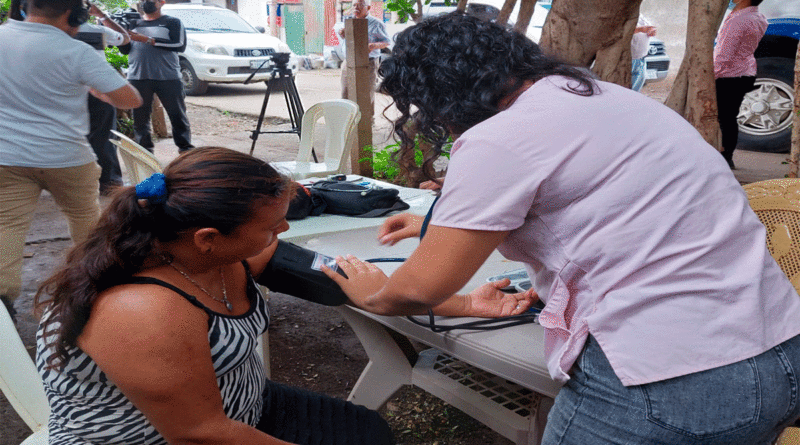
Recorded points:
(44, 95)
(43, 124)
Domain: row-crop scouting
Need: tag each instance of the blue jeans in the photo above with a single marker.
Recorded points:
(749, 402)
(637, 74)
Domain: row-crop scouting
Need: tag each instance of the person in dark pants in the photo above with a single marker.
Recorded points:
(103, 116)
(735, 67)
(103, 119)
(155, 69)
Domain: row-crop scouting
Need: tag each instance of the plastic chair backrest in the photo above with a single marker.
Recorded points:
(139, 162)
(20, 382)
(341, 117)
(777, 204)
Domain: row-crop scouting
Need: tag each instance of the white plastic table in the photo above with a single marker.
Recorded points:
(498, 377)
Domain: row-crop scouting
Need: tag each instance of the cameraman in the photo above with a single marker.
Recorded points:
(44, 122)
(155, 68)
(102, 115)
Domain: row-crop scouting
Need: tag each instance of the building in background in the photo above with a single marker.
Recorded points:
(305, 25)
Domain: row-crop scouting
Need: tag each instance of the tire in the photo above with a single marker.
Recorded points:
(192, 86)
(765, 118)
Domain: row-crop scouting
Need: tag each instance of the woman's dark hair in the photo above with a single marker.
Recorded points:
(455, 69)
(206, 187)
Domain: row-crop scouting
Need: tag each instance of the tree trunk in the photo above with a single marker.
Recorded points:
(593, 33)
(462, 6)
(418, 16)
(794, 156)
(524, 16)
(693, 94)
(505, 12)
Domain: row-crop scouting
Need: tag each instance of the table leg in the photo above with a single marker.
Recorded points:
(539, 420)
(387, 370)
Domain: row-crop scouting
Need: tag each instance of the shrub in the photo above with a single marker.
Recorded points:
(385, 165)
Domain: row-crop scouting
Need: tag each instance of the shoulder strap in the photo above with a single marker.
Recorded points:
(157, 282)
(398, 205)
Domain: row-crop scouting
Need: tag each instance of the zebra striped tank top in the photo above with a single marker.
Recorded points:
(87, 408)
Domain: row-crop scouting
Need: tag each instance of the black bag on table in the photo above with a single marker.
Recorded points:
(304, 204)
(361, 201)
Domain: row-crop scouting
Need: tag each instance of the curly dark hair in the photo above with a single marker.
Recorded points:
(455, 69)
(206, 187)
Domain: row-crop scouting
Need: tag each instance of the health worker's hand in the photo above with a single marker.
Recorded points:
(363, 278)
(489, 301)
(430, 185)
(399, 227)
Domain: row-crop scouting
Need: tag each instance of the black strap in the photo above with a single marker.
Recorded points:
(399, 205)
(191, 298)
(177, 290)
(428, 217)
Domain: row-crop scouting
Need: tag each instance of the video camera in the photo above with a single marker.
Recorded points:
(281, 61)
(93, 38)
(128, 18)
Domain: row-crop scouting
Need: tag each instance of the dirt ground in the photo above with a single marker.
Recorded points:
(311, 346)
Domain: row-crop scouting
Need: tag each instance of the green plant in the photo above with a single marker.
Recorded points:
(4, 6)
(406, 9)
(116, 58)
(125, 126)
(384, 164)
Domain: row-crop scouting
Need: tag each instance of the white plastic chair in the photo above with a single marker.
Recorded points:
(20, 382)
(341, 117)
(139, 163)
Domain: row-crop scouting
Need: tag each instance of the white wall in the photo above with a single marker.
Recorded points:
(255, 12)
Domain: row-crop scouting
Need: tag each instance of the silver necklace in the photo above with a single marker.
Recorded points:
(224, 290)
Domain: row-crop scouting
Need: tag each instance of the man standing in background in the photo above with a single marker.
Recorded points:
(640, 45)
(154, 68)
(102, 115)
(377, 38)
(43, 125)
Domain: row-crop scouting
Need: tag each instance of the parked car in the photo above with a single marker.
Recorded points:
(222, 47)
(765, 118)
(656, 62)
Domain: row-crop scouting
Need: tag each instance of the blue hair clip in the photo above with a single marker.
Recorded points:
(153, 189)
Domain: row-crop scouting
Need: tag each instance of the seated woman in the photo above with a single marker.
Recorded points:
(150, 336)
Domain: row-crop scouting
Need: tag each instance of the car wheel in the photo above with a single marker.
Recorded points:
(765, 118)
(192, 86)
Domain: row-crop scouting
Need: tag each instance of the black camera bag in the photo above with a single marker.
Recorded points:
(362, 201)
(304, 204)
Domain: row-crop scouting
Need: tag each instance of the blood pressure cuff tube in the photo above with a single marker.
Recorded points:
(296, 271)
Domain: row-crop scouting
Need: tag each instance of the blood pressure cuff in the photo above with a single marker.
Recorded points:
(296, 271)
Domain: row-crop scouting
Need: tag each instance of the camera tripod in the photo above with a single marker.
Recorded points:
(281, 79)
